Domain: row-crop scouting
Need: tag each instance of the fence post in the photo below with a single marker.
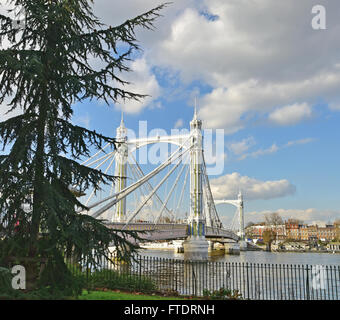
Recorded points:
(140, 271)
(247, 280)
(193, 277)
(87, 274)
(307, 284)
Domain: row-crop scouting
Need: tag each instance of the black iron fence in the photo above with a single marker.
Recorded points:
(257, 281)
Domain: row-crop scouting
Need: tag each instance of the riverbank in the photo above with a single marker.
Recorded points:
(307, 251)
(170, 248)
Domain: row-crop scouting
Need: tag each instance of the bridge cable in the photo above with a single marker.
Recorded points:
(125, 192)
(101, 150)
(170, 193)
(147, 177)
(210, 195)
(183, 188)
(105, 172)
(141, 174)
(155, 189)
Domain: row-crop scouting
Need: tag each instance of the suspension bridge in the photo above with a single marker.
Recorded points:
(135, 202)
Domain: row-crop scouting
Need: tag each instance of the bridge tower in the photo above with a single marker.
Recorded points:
(240, 207)
(121, 170)
(196, 245)
(241, 217)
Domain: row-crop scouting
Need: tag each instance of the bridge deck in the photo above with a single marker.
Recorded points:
(170, 231)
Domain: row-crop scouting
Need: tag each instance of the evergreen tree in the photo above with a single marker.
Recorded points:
(44, 71)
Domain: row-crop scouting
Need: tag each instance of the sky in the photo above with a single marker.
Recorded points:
(259, 71)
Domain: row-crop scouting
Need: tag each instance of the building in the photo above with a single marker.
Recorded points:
(312, 232)
(295, 230)
(327, 233)
(303, 232)
(256, 231)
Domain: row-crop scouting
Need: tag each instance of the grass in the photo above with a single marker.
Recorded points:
(119, 295)
(113, 280)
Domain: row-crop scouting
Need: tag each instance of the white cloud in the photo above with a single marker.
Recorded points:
(274, 148)
(228, 186)
(241, 146)
(142, 81)
(4, 108)
(83, 120)
(253, 63)
(334, 106)
(291, 114)
(240, 101)
(179, 124)
(299, 142)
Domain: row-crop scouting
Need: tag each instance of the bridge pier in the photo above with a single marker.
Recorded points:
(178, 246)
(196, 248)
(243, 245)
(232, 248)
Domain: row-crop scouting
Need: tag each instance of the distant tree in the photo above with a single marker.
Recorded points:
(295, 221)
(45, 70)
(337, 226)
(274, 220)
(249, 224)
(268, 237)
(248, 231)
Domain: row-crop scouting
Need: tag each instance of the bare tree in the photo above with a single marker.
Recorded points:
(273, 220)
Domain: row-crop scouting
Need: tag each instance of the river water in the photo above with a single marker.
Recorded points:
(311, 258)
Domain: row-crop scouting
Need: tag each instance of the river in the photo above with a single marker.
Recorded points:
(311, 258)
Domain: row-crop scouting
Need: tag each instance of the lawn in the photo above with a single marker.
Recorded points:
(118, 295)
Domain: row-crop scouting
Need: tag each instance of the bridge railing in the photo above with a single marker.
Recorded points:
(256, 281)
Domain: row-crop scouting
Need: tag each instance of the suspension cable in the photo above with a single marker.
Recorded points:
(101, 150)
(210, 195)
(169, 194)
(155, 189)
(105, 172)
(141, 174)
(125, 192)
(183, 188)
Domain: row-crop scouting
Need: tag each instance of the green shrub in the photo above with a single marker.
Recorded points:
(222, 294)
(111, 279)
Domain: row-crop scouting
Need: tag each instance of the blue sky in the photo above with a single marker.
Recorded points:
(272, 86)
(260, 72)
